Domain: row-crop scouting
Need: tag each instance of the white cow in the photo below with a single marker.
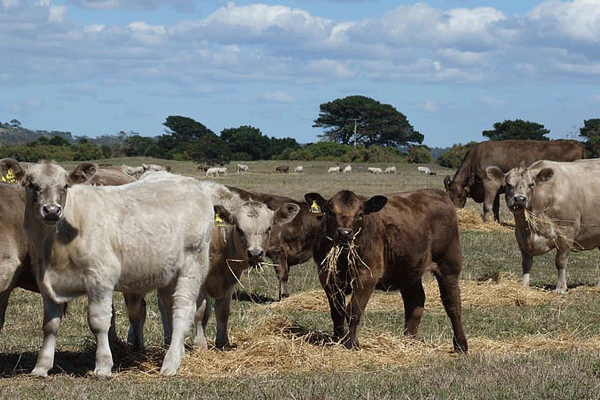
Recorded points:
(333, 170)
(299, 169)
(425, 170)
(374, 170)
(390, 170)
(216, 171)
(93, 240)
(242, 168)
(347, 168)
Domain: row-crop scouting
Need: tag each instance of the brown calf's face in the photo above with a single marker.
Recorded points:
(253, 223)
(344, 213)
(46, 185)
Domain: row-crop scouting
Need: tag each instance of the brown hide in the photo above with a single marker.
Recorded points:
(290, 244)
(470, 180)
(388, 242)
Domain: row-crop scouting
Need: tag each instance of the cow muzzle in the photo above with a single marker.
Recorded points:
(345, 235)
(517, 203)
(51, 213)
(255, 256)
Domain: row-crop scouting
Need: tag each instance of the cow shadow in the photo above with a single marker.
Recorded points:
(81, 363)
(316, 338)
(257, 298)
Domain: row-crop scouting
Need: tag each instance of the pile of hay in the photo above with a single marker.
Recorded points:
(274, 344)
(470, 220)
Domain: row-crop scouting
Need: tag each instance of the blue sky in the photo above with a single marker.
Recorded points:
(453, 67)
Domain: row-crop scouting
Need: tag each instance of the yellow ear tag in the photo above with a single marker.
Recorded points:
(314, 208)
(219, 221)
(10, 177)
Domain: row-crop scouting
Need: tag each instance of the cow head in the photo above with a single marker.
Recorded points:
(519, 184)
(252, 224)
(46, 185)
(458, 192)
(343, 214)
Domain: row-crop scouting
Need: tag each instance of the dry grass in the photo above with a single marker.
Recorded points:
(470, 220)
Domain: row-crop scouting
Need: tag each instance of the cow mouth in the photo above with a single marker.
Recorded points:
(516, 208)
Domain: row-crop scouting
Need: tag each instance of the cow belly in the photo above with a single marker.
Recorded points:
(536, 244)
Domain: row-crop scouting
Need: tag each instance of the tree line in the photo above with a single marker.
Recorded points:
(355, 129)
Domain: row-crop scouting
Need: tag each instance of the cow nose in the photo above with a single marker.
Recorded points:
(255, 256)
(520, 200)
(51, 212)
(345, 233)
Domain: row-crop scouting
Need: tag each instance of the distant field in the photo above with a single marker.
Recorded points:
(524, 344)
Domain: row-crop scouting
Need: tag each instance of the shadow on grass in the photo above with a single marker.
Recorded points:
(80, 363)
(252, 297)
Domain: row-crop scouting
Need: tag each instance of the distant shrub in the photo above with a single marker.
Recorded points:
(419, 155)
(452, 158)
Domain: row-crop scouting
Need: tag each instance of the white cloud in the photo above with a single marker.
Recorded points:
(279, 97)
(136, 5)
(578, 19)
(491, 101)
(10, 3)
(428, 106)
(331, 68)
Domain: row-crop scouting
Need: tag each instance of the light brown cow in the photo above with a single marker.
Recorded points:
(388, 242)
(555, 205)
(239, 241)
(133, 238)
(291, 243)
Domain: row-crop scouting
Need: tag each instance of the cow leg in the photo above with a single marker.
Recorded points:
(136, 311)
(283, 273)
(53, 313)
(337, 308)
(360, 297)
(526, 264)
(201, 320)
(222, 310)
(99, 319)
(450, 295)
(562, 257)
(413, 296)
(496, 207)
(491, 189)
(165, 307)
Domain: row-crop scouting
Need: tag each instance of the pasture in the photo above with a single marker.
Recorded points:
(523, 343)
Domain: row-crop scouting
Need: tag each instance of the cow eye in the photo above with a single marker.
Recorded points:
(359, 217)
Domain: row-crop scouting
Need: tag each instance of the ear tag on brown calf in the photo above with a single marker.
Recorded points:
(314, 208)
(10, 177)
(219, 221)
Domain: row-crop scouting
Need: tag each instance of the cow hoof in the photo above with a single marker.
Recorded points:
(42, 373)
(102, 373)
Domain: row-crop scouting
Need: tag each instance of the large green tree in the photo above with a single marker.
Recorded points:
(249, 141)
(517, 129)
(184, 129)
(591, 131)
(361, 120)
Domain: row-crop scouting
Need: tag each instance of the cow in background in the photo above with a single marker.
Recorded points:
(555, 205)
(96, 239)
(388, 242)
(291, 243)
(284, 169)
(471, 179)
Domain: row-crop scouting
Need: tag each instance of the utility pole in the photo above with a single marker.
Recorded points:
(355, 123)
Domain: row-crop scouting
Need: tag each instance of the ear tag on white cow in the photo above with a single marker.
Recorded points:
(219, 221)
(314, 208)
(10, 177)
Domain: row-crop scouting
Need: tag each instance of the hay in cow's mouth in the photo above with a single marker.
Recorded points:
(330, 263)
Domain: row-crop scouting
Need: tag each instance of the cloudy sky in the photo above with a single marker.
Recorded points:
(453, 67)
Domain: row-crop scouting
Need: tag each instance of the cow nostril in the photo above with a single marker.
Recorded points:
(345, 233)
(51, 211)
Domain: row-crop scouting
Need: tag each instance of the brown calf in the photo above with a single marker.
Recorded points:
(388, 242)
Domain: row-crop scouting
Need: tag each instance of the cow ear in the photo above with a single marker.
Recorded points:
(494, 174)
(222, 216)
(447, 181)
(375, 204)
(286, 213)
(316, 202)
(544, 175)
(82, 173)
(11, 171)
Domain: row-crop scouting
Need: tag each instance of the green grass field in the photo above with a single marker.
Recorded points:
(524, 343)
